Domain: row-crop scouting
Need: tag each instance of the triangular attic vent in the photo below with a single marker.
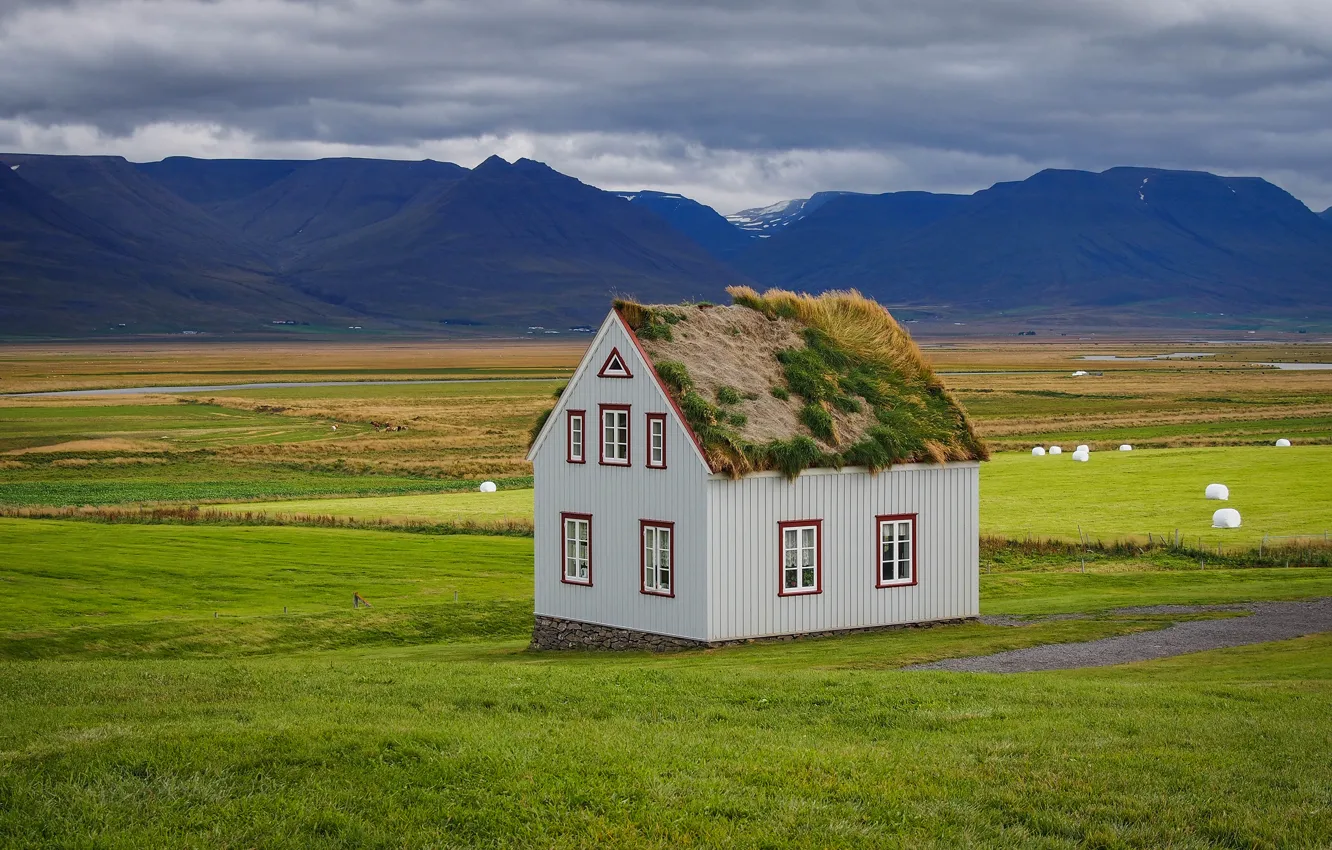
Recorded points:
(614, 366)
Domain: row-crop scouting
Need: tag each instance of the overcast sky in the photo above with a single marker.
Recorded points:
(734, 103)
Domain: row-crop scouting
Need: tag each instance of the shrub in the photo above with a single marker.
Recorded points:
(739, 420)
(781, 393)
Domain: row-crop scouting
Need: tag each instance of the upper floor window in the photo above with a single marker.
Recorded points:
(802, 563)
(577, 539)
(577, 436)
(656, 440)
(658, 556)
(897, 550)
(615, 434)
(614, 367)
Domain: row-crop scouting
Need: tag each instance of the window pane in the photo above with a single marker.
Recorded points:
(791, 578)
(808, 577)
(807, 537)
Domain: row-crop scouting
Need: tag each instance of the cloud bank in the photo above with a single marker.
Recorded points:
(734, 103)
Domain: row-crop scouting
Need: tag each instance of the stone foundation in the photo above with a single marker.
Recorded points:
(558, 633)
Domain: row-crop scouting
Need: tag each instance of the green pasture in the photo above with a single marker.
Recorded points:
(133, 718)
(1311, 429)
(203, 479)
(1115, 495)
(1128, 494)
(435, 507)
(142, 426)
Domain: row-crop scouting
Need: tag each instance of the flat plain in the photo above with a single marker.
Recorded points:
(176, 681)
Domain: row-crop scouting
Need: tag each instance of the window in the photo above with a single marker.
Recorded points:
(658, 557)
(614, 367)
(576, 544)
(896, 550)
(802, 568)
(656, 440)
(615, 434)
(576, 438)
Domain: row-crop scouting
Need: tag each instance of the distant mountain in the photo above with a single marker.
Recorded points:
(1139, 239)
(64, 270)
(510, 242)
(331, 197)
(210, 181)
(763, 222)
(1326, 215)
(700, 223)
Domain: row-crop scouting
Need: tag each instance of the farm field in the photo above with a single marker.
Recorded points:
(197, 683)
(133, 718)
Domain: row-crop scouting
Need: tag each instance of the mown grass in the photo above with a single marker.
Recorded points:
(1129, 494)
(132, 718)
(513, 504)
(490, 746)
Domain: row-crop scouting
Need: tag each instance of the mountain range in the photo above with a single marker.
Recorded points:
(89, 244)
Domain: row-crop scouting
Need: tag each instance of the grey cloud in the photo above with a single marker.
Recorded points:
(981, 84)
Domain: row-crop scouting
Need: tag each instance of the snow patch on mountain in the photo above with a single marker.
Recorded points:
(762, 221)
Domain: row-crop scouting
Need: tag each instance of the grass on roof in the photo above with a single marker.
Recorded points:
(855, 356)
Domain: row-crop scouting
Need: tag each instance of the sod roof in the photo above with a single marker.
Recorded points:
(785, 381)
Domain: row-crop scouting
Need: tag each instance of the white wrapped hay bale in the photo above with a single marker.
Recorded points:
(1056, 450)
(1126, 448)
(1081, 373)
(1081, 456)
(1226, 518)
(1083, 448)
(1219, 492)
(488, 487)
(1039, 451)
(1283, 442)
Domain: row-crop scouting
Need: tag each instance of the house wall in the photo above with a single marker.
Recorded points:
(617, 498)
(744, 550)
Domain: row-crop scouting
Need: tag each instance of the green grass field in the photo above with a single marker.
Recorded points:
(1128, 494)
(132, 718)
(438, 507)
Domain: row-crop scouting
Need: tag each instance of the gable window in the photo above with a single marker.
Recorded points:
(614, 367)
(658, 557)
(802, 562)
(577, 438)
(897, 550)
(576, 543)
(656, 440)
(615, 434)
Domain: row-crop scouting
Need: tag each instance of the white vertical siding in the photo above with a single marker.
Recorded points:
(617, 498)
(744, 550)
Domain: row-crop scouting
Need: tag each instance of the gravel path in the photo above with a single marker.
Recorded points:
(1269, 621)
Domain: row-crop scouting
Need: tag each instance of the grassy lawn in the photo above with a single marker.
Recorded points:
(132, 718)
(439, 507)
(1123, 494)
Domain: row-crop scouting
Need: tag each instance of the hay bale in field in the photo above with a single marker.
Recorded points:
(1126, 448)
(1056, 450)
(1039, 451)
(1080, 373)
(1081, 456)
(488, 487)
(1283, 442)
(1226, 518)
(1084, 448)
(1219, 492)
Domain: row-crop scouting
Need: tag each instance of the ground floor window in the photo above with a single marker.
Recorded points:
(577, 547)
(658, 557)
(897, 550)
(801, 564)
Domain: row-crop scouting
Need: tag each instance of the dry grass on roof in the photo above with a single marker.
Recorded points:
(787, 381)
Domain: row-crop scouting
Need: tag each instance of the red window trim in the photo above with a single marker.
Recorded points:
(568, 436)
(564, 515)
(628, 436)
(615, 355)
(818, 556)
(647, 457)
(878, 550)
(644, 524)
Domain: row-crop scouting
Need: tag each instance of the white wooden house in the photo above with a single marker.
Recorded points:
(652, 533)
